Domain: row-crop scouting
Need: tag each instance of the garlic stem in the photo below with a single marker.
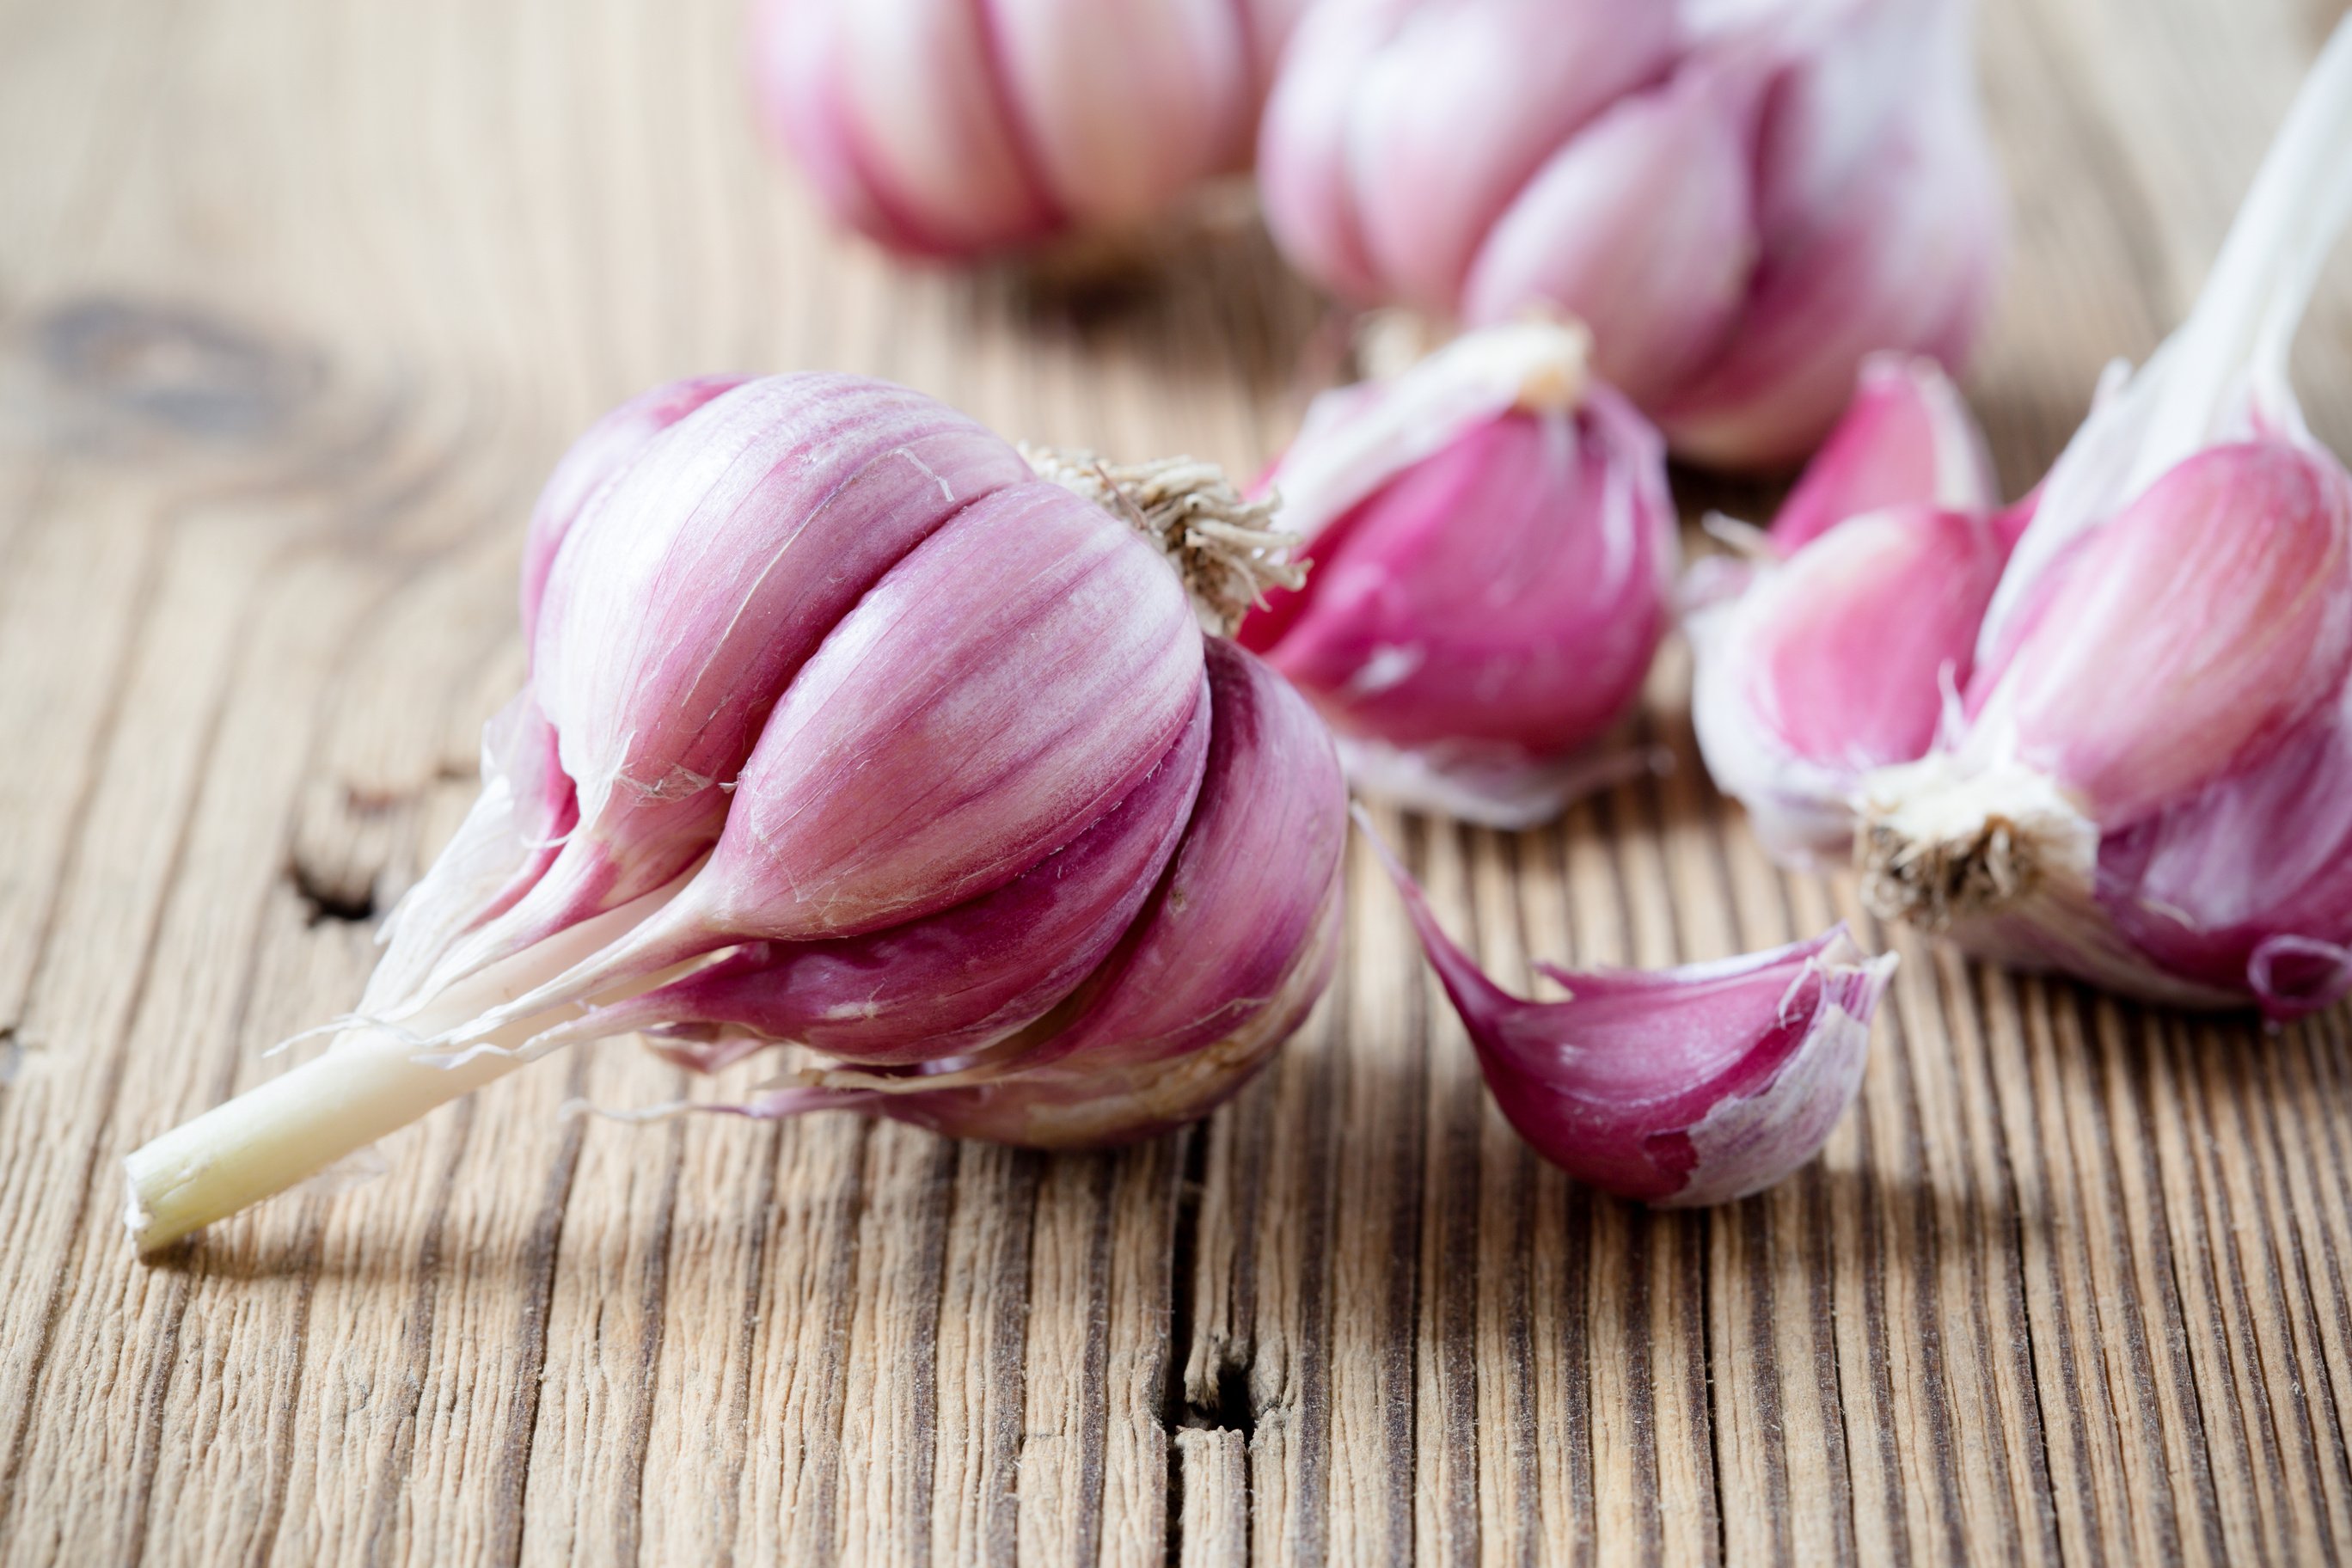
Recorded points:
(2253, 300)
(369, 1083)
(375, 1078)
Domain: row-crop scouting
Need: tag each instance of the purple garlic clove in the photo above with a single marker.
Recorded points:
(1907, 438)
(1493, 548)
(1227, 958)
(1836, 662)
(1679, 1087)
(942, 128)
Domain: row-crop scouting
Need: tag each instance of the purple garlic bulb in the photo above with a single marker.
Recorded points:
(1743, 202)
(846, 732)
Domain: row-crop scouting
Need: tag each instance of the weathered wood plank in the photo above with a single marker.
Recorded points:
(296, 303)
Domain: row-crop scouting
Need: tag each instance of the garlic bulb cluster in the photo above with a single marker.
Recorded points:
(1493, 548)
(1743, 201)
(949, 129)
(845, 729)
(2143, 774)
(1679, 1087)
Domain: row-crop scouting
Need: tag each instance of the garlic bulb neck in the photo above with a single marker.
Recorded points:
(1222, 544)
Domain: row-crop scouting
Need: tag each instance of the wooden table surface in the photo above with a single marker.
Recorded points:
(300, 299)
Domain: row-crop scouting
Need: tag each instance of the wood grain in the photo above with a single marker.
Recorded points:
(298, 300)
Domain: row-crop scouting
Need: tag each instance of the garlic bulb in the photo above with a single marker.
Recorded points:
(844, 729)
(1827, 652)
(1743, 202)
(948, 129)
(2147, 784)
(1678, 1087)
(1493, 548)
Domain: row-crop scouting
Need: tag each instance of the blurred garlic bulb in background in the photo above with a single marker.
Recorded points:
(943, 128)
(1493, 550)
(1742, 201)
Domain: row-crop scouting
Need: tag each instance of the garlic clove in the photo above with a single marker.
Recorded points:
(1124, 105)
(1458, 108)
(2179, 643)
(690, 592)
(1835, 662)
(1493, 546)
(1302, 154)
(2248, 885)
(950, 983)
(925, 754)
(604, 450)
(1906, 438)
(894, 110)
(1640, 222)
(1227, 957)
(1679, 1087)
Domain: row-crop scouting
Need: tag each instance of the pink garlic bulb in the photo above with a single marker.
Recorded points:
(2147, 786)
(1492, 547)
(846, 731)
(943, 128)
(1743, 202)
(1679, 1087)
(1828, 652)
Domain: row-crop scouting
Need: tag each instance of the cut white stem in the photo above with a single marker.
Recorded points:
(369, 1083)
(374, 1079)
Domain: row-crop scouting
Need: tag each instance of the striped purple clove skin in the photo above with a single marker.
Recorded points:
(946, 128)
(2146, 786)
(1678, 1087)
(1836, 646)
(1224, 962)
(1743, 202)
(882, 747)
(1492, 549)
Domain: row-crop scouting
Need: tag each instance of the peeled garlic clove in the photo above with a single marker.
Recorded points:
(1224, 962)
(1836, 661)
(1907, 438)
(1493, 545)
(1678, 1087)
(1642, 223)
(949, 984)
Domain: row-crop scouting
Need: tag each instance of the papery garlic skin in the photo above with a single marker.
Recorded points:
(1493, 548)
(2145, 788)
(942, 128)
(882, 745)
(1743, 207)
(1681, 1087)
